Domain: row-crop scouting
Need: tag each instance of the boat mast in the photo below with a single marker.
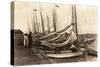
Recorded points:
(48, 24)
(28, 25)
(34, 23)
(74, 21)
(42, 23)
(54, 17)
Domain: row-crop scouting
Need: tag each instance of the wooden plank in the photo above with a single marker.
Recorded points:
(65, 55)
(53, 52)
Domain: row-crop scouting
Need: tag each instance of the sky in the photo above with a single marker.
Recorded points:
(23, 14)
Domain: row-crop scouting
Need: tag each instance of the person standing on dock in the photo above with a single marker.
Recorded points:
(30, 39)
(26, 40)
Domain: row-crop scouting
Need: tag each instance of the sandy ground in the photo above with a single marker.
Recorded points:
(27, 56)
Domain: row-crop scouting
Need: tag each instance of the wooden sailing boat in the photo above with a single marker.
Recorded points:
(54, 49)
(65, 53)
(70, 54)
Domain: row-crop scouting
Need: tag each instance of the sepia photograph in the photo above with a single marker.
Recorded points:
(52, 33)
